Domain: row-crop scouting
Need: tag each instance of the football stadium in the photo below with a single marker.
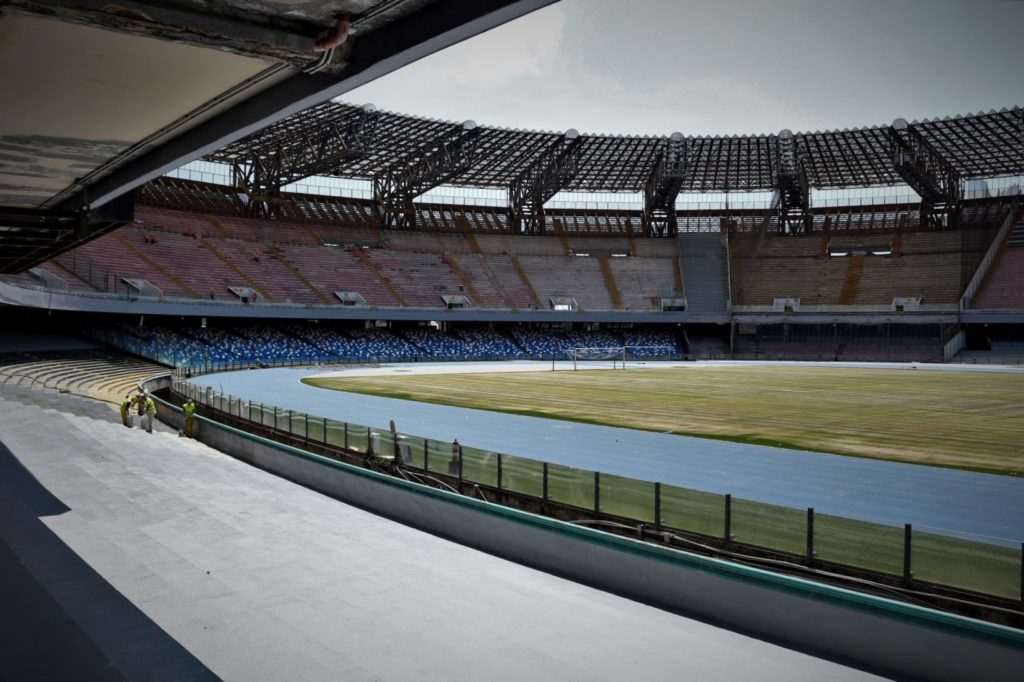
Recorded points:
(294, 386)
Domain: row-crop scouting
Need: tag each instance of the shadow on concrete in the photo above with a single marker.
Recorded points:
(60, 619)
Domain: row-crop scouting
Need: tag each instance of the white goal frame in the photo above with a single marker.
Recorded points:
(617, 354)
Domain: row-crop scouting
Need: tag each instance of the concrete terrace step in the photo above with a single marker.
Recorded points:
(260, 579)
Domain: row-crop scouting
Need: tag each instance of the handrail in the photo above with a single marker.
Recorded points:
(207, 395)
(990, 256)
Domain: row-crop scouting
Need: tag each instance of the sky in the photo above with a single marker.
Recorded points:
(721, 67)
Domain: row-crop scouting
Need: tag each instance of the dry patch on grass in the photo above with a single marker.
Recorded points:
(957, 419)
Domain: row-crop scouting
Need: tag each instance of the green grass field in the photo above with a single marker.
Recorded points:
(964, 420)
(953, 419)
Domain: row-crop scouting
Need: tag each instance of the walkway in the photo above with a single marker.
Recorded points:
(158, 558)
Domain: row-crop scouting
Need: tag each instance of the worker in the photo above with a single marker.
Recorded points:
(126, 406)
(150, 413)
(189, 408)
(140, 404)
(453, 463)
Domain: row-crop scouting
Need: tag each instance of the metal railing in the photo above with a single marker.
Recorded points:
(912, 557)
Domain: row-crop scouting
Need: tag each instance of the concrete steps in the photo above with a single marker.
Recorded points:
(704, 272)
(107, 377)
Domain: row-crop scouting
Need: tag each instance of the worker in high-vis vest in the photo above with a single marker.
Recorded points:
(150, 413)
(189, 408)
(126, 406)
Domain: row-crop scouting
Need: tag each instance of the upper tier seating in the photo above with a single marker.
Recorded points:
(1004, 286)
(192, 255)
(928, 266)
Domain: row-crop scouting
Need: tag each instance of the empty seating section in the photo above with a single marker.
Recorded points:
(579, 278)
(519, 245)
(862, 343)
(770, 267)
(333, 235)
(275, 344)
(358, 345)
(928, 267)
(382, 344)
(164, 220)
(267, 272)
(183, 262)
(434, 343)
(336, 269)
(406, 259)
(492, 291)
(934, 278)
(267, 231)
(650, 343)
(421, 278)
(545, 343)
(488, 343)
(503, 272)
(186, 254)
(704, 272)
(1005, 286)
(642, 280)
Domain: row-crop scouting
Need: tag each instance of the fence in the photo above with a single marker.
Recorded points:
(908, 556)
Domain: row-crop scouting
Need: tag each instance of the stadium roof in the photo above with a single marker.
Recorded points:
(100, 98)
(980, 145)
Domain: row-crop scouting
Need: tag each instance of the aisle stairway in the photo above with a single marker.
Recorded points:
(102, 375)
(704, 271)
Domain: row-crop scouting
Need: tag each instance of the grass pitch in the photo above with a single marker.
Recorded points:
(955, 419)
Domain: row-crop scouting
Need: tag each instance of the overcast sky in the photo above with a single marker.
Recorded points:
(721, 66)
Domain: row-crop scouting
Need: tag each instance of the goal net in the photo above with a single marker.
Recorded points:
(611, 357)
(616, 357)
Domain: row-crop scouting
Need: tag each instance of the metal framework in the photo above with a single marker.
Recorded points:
(794, 194)
(926, 171)
(30, 236)
(291, 155)
(977, 146)
(540, 181)
(433, 164)
(662, 188)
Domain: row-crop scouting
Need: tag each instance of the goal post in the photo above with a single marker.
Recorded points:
(615, 357)
(615, 354)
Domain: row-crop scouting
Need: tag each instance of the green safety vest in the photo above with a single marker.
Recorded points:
(150, 406)
(189, 409)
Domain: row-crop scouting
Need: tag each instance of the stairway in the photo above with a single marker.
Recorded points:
(103, 376)
(525, 279)
(704, 272)
(238, 271)
(848, 292)
(372, 267)
(560, 231)
(277, 253)
(610, 284)
(464, 279)
(1016, 237)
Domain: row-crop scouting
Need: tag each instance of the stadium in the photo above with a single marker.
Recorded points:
(466, 391)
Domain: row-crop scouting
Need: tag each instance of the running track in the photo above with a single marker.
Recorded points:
(963, 504)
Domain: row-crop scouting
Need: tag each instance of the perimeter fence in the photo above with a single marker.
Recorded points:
(907, 556)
